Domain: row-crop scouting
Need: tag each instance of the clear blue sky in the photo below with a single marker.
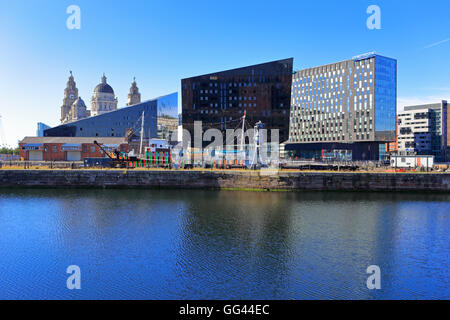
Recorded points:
(161, 42)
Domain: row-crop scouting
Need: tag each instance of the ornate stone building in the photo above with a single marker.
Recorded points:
(104, 99)
(134, 97)
(70, 95)
(78, 111)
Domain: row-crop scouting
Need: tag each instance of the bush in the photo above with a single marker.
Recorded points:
(4, 150)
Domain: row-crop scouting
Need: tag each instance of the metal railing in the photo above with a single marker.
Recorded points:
(41, 164)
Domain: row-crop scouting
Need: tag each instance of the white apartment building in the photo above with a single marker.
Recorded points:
(423, 130)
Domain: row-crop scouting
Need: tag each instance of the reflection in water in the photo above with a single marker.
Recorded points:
(150, 244)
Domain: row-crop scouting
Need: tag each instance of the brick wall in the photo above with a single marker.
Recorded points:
(54, 152)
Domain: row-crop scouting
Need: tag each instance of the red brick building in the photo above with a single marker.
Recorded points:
(68, 148)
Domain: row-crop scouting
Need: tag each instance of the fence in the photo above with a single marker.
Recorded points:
(41, 164)
(8, 157)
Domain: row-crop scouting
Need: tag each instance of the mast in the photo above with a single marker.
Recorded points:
(257, 140)
(142, 133)
(243, 128)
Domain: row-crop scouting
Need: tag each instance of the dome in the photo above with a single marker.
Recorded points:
(79, 103)
(103, 87)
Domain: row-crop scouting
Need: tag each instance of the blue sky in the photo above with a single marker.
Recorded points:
(161, 42)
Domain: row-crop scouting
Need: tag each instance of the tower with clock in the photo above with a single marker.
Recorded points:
(70, 95)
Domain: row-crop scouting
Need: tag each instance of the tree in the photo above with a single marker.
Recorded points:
(6, 150)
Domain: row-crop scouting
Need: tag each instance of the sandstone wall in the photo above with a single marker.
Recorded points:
(230, 180)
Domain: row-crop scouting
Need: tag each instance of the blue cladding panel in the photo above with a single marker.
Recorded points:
(115, 123)
(168, 106)
(385, 93)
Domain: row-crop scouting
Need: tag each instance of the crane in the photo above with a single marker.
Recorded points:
(118, 161)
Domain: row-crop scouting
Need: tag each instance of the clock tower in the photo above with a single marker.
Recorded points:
(70, 95)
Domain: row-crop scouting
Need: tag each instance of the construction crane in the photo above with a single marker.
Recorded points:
(119, 160)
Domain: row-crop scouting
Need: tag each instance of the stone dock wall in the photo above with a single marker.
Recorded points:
(244, 180)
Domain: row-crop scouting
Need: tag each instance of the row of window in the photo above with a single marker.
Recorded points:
(249, 84)
(336, 69)
(245, 98)
(56, 149)
(329, 138)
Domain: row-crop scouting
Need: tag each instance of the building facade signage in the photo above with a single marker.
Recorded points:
(364, 56)
(32, 147)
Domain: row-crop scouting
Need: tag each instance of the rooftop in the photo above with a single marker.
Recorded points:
(78, 140)
(426, 106)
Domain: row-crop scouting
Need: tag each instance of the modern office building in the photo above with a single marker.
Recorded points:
(116, 123)
(343, 107)
(423, 130)
(41, 127)
(219, 100)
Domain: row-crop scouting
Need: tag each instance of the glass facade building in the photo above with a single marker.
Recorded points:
(353, 101)
(385, 96)
(168, 118)
(41, 127)
(220, 99)
(116, 123)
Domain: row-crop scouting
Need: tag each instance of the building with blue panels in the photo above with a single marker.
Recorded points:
(41, 127)
(116, 123)
(351, 104)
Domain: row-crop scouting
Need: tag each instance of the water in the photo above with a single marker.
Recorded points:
(150, 244)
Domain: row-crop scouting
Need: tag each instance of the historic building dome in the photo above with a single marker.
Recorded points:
(79, 103)
(77, 111)
(103, 87)
(104, 99)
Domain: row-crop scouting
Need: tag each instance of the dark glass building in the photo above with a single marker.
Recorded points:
(220, 99)
(116, 123)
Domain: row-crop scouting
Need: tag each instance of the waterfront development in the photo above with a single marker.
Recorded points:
(223, 152)
(185, 244)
